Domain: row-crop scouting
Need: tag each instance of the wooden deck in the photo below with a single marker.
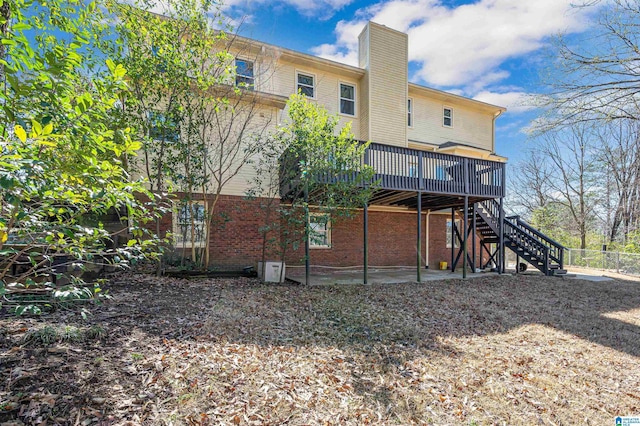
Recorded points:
(442, 180)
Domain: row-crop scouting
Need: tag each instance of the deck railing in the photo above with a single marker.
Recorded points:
(414, 170)
(406, 169)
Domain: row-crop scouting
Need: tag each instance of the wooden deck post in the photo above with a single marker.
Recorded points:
(465, 226)
(501, 260)
(453, 238)
(366, 243)
(307, 264)
(419, 239)
(473, 239)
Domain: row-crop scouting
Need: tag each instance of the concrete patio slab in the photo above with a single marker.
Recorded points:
(325, 276)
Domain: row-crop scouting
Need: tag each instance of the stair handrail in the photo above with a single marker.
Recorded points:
(539, 234)
(557, 250)
(534, 243)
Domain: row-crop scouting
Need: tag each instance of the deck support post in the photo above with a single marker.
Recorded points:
(465, 227)
(501, 260)
(419, 238)
(453, 238)
(366, 243)
(473, 239)
(307, 261)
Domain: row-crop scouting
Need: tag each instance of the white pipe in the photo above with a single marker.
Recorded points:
(426, 254)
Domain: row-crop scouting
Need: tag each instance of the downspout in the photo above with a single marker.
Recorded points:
(493, 130)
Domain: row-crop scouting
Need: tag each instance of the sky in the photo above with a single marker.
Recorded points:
(490, 50)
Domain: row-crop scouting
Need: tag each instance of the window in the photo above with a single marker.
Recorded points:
(450, 235)
(189, 218)
(447, 117)
(161, 62)
(306, 84)
(319, 231)
(409, 112)
(347, 99)
(162, 128)
(244, 74)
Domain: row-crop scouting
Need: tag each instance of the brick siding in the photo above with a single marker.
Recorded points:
(236, 240)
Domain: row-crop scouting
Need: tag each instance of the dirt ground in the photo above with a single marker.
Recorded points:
(510, 350)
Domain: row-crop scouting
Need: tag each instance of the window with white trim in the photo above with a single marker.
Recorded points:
(244, 74)
(347, 99)
(189, 224)
(409, 112)
(319, 231)
(163, 128)
(447, 117)
(450, 235)
(306, 84)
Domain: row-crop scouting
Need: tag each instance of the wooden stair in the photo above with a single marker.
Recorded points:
(527, 242)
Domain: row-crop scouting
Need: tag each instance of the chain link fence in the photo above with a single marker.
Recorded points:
(614, 261)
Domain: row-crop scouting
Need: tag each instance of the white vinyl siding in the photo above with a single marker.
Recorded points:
(471, 127)
(387, 86)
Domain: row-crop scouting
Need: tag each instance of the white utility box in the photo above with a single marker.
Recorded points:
(273, 272)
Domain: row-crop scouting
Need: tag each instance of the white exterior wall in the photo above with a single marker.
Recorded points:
(381, 97)
(470, 127)
(386, 59)
(327, 85)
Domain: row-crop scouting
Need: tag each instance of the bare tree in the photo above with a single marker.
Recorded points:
(572, 181)
(619, 152)
(203, 115)
(597, 78)
(531, 177)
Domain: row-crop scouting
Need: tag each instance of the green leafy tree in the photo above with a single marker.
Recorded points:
(202, 126)
(320, 165)
(62, 155)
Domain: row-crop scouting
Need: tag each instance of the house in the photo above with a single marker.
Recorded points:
(441, 181)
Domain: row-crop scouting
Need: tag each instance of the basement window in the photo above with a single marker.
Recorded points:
(189, 224)
(319, 231)
(450, 235)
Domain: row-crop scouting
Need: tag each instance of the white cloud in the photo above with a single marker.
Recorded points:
(317, 8)
(515, 102)
(465, 45)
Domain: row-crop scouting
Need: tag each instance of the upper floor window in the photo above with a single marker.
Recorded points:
(162, 127)
(306, 84)
(244, 74)
(347, 99)
(447, 117)
(409, 112)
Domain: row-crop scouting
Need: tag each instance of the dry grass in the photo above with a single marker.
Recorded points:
(497, 350)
